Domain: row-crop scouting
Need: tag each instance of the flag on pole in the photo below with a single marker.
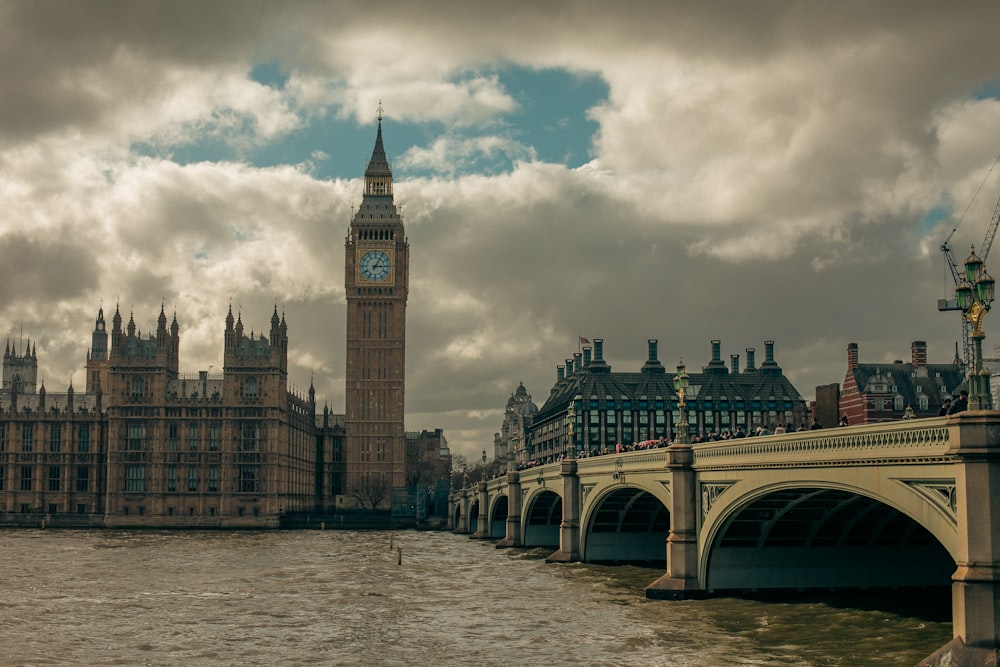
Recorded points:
(584, 340)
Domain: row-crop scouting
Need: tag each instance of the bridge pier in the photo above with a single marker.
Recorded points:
(975, 589)
(483, 529)
(513, 537)
(569, 528)
(681, 580)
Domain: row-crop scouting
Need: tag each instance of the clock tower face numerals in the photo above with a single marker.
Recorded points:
(375, 266)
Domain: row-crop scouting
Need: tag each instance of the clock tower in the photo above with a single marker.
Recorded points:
(376, 281)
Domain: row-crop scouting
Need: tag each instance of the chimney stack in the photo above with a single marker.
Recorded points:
(852, 356)
(734, 363)
(918, 353)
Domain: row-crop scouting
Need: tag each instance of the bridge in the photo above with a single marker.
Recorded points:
(905, 504)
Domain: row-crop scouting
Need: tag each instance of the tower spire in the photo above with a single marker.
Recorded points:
(378, 175)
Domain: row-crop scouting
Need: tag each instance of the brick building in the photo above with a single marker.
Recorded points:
(882, 392)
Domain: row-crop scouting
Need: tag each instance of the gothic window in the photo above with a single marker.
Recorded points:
(82, 478)
(53, 478)
(193, 436)
(213, 478)
(135, 478)
(27, 436)
(249, 479)
(214, 437)
(136, 441)
(172, 436)
(249, 436)
(250, 389)
(138, 387)
(55, 440)
(83, 439)
(192, 478)
(171, 478)
(26, 478)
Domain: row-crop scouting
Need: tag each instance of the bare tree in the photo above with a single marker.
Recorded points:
(459, 471)
(370, 493)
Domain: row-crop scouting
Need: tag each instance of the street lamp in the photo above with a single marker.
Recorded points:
(974, 297)
(484, 465)
(680, 386)
(515, 452)
(571, 444)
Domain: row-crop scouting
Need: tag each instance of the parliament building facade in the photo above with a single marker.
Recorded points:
(144, 445)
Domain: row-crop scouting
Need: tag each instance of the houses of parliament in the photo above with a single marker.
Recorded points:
(143, 444)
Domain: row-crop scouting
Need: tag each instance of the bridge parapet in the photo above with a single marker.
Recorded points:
(914, 440)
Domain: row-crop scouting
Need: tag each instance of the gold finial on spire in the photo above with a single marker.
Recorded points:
(379, 111)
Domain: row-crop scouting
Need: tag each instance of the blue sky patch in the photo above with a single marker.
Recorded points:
(550, 123)
(268, 74)
(988, 91)
(941, 211)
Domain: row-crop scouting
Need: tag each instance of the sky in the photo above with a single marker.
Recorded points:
(678, 171)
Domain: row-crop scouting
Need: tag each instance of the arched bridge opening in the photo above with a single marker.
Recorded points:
(498, 518)
(457, 519)
(810, 538)
(628, 526)
(474, 517)
(541, 528)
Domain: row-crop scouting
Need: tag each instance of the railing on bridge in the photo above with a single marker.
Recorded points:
(915, 439)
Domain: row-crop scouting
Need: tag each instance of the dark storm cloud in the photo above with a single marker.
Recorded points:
(59, 57)
(45, 268)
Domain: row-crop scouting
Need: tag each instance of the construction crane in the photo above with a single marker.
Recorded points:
(958, 275)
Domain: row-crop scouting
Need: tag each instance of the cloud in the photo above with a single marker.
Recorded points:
(757, 172)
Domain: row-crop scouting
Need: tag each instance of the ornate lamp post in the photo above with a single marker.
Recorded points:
(484, 465)
(571, 443)
(514, 453)
(680, 386)
(974, 297)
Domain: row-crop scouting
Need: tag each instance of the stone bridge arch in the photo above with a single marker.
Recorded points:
(473, 516)
(542, 517)
(624, 523)
(812, 534)
(499, 506)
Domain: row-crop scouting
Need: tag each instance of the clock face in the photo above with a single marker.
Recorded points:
(374, 266)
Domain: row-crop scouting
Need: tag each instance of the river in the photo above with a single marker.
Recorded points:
(340, 598)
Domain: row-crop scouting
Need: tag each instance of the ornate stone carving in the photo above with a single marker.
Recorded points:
(710, 493)
(939, 492)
